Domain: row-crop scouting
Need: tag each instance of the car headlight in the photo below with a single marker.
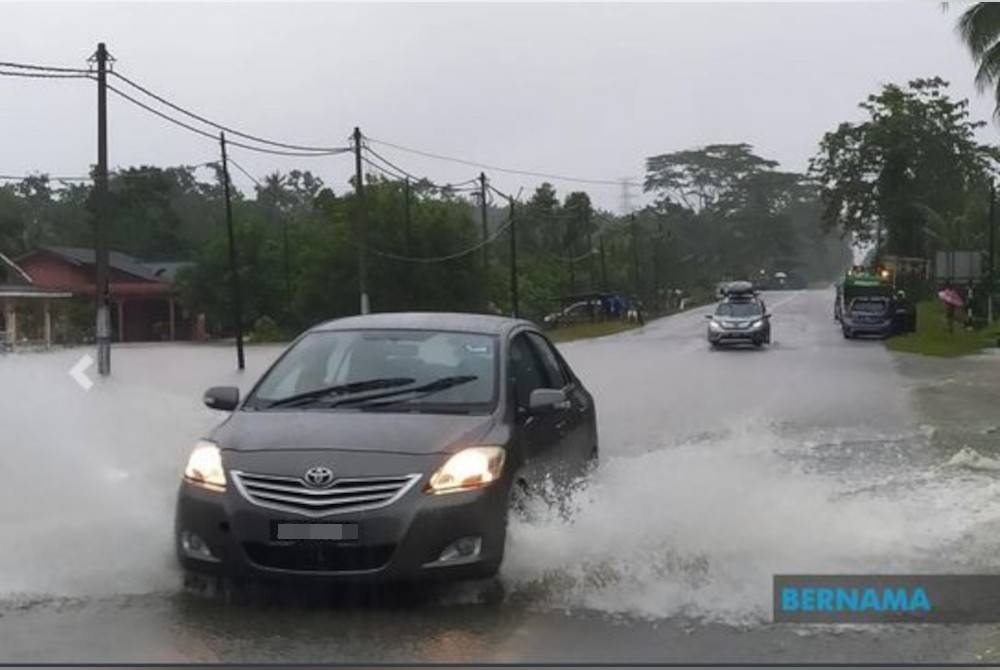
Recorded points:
(714, 325)
(757, 324)
(204, 466)
(471, 468)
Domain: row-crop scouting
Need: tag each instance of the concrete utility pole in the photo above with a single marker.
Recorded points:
(634, 229)
(486, 231)
(604, 267)
(992, 251)
(513, 261)
(361, 233)
(102, 294)
(233, 264)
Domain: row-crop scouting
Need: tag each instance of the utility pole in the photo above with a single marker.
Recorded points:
(513, 261)
(406, 215)
(634, 228)
(992, 251)
(361, 233)
(233, 265)
(486, 231)
(102, 294)
(604, 267)
(288, 265)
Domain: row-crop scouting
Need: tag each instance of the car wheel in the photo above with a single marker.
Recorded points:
(847, 334)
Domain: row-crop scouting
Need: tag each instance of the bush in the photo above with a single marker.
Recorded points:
(266, 330)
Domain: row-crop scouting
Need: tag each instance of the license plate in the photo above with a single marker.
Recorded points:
(328, 532)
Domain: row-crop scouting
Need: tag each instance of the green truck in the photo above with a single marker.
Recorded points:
(868, 303)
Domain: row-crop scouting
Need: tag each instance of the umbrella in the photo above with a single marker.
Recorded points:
(950, 296)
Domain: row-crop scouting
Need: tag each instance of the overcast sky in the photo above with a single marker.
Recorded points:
(586, 90)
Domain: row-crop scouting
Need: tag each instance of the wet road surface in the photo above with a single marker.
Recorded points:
(719, 469)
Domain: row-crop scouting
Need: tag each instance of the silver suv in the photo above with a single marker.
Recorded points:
(740, 318)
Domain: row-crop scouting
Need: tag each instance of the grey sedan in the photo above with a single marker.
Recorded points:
(383, 447)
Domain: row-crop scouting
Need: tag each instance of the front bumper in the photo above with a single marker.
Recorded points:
(880, 329)
(736, 335)
(400, 542)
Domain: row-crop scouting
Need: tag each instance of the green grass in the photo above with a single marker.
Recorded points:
(584, 330)
(933, 339)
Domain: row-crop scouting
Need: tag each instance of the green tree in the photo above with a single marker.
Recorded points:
(915, 152)
(979, 26)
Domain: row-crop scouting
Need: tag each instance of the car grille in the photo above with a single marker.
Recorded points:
(316, 557)
(291, 494)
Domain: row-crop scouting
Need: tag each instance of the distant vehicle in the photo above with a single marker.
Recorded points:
(386, 447)
(575, 313)
(868, 315)
(857, 284)
(741, 318)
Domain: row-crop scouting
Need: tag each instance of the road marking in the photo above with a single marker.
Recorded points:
(78, 372)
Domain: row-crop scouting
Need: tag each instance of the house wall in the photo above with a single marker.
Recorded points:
(50, 271)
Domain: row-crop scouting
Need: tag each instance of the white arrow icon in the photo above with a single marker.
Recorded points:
(77, 372)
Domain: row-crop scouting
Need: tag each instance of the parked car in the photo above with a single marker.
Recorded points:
(867, 315)
(387, 447)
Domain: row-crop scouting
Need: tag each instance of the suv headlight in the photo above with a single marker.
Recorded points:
(757, 324)
(471, 468)
(204, 466)
(714, 325)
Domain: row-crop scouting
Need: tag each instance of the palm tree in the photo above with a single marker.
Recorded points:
(979, 26)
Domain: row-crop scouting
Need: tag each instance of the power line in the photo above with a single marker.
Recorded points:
(127, 173)
(485, 166)
(44, 75)
(415, 178)
(205, 133)
(449, 257)
(219, 126)
(247, 174)
(43, 68)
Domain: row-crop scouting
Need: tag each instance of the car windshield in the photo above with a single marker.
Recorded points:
(869, 306)
(738, 309)
(325, 368)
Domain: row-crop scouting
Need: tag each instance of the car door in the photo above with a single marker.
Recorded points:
(537, 435)
(575, 424)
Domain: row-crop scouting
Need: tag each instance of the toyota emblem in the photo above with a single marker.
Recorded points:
(318, 476)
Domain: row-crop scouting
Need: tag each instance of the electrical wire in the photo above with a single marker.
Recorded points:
(449, 257)
(209, 135)
(42, 68)
(44, 75)
(245, 173)
(128, 173)
(413, 177)
(485, 166)
(232, 131)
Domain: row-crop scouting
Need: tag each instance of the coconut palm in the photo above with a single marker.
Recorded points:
(979, 26)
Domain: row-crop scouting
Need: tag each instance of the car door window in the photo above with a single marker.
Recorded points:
(526, 370)
(550, 362)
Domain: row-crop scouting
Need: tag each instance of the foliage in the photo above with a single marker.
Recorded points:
(893, 177)
(298, 244)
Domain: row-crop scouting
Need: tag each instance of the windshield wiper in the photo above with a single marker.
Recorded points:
(342, 389)
(435, 386)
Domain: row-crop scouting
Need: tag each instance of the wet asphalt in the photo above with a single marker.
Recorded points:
(813, 454)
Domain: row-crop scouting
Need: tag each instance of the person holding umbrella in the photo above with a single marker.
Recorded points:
(952, 303)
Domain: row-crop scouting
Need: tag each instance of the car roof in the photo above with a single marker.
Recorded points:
(447, 321)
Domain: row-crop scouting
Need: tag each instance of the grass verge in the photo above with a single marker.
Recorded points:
(581, 331)
(933, 339)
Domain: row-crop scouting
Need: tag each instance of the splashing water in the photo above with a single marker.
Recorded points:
(698, 530)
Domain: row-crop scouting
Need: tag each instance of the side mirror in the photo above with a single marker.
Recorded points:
(547, 401)
(708, 316)
(767, 315)
(224, 398)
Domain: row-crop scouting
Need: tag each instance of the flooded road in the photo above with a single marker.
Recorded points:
(719, 469)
